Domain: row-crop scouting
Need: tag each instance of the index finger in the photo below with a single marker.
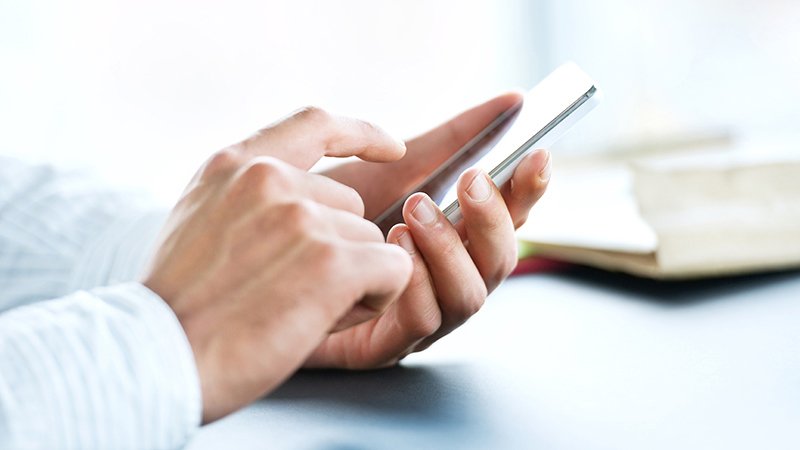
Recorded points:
(383, 273)
(311, 133)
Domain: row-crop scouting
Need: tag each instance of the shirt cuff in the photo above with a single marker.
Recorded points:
(108, 368)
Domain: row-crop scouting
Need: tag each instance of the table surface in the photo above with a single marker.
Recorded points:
(575, 360)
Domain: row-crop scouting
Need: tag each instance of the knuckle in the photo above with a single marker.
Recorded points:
(370, 128)
(264, 176)
(491, 221)
(328, 257)
(425, 326)
(322, 120)
(302, 216)
(449, 240)
(313, 114)
(504, 268)
(471, 303)
(222, 161)
(420, 280)
(264, 168)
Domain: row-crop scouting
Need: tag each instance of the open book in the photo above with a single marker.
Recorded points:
(676, 216)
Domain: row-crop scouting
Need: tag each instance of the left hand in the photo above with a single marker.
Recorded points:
(455, 268)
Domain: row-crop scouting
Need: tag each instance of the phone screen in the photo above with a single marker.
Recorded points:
(546, 113)
(442, 181)
(503, 157)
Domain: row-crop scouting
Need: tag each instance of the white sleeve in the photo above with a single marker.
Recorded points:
(108, 368)
(96, 368)
(61, 231)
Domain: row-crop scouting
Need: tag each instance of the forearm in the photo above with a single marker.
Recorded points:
(107, 368)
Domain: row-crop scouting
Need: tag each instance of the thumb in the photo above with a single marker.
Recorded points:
(432, 148)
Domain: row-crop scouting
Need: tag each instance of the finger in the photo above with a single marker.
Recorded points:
(488, 227)
(425, 153)
(457, 282)
(311, 133)
(416, 315)
(350, 226)
(527, 185)
(346, 225)
(382, 275)
(272, 180)
(333, 194)
(413, 317)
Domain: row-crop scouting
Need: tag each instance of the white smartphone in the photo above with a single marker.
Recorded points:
(545, 114)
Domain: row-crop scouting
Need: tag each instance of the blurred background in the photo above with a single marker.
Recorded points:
(142, 91)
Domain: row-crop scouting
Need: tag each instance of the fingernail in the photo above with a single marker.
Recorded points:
(425, 211)
(479, 190)
(544, 175)
(405, 241)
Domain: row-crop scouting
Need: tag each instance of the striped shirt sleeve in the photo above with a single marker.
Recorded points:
(103, 363)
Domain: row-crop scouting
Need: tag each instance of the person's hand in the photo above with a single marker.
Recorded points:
(260, 260)
(454, 267)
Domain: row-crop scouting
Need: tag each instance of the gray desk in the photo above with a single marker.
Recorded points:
(583, 360)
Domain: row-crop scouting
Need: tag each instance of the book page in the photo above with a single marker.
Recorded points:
(590, 207)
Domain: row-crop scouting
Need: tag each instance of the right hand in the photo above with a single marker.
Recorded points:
(260, 259)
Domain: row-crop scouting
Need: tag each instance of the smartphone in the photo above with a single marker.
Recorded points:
(544, 115)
